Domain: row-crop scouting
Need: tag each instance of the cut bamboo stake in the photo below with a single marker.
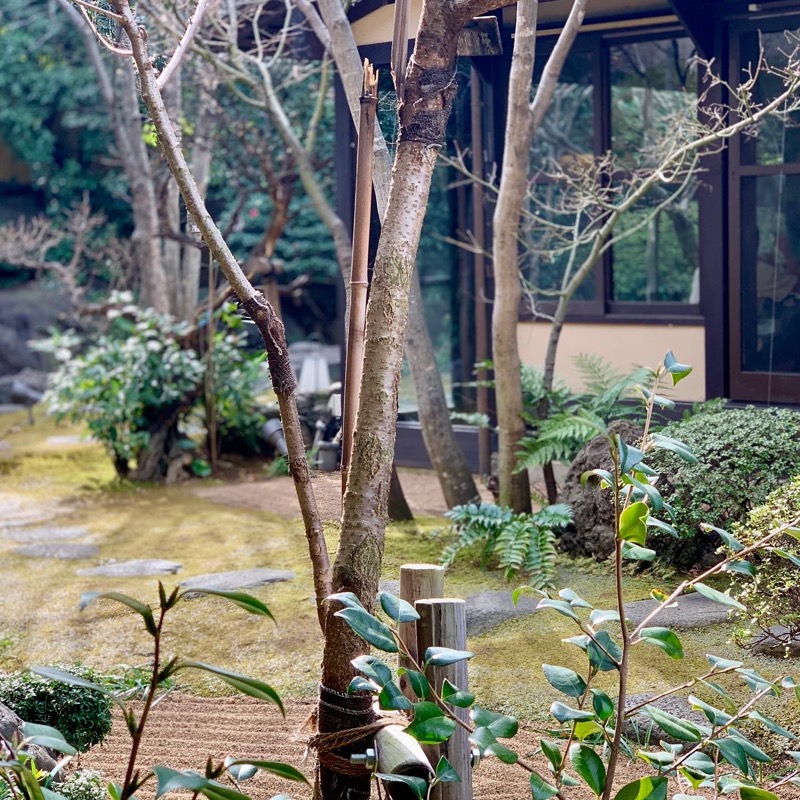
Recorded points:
(443, 623)
(417, 582)
(358, 269)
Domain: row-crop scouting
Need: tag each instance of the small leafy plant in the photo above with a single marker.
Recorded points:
(163, 669)
(519, 542)
(584, 748)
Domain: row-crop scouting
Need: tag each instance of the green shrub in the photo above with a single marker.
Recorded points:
(743, 455)
(520, 542)
(83, 716)
(83, 784)
(774, 598)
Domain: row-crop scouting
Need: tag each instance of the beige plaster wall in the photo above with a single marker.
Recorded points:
(376, 27)
(623, 346)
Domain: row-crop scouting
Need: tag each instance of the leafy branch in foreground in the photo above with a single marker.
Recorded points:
(164, 668)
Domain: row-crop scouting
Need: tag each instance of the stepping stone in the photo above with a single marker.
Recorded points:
(65, 440)
(777, 643)
(63, 551)
(44, 534)
(692, 611)
(136, 567)
(239, 579)
(487, 610)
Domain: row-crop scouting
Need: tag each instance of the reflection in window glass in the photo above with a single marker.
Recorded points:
(777, 139)
(657, 262)
(770, 253)
(653, 84)
(568, 127)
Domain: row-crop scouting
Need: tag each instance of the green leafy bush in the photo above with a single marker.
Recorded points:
(743, 455)
(83, 716)
(773, 599)
(520, 542)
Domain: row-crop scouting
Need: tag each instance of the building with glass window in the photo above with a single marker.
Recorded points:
(709, 265)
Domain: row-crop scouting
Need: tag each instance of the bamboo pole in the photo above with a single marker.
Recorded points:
(443, 623)
(399, 54)
(358, 271)
(417, 582)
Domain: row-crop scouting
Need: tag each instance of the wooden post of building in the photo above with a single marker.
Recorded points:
(417, 582)
(443, 623)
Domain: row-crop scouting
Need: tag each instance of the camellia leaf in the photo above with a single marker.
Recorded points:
(603, 705)
(45, 736)
(369, 628)
(644, 789)
(564, 680)
(274, 767)
(629, 456)
(242, 683)
(143, 610)
(505, 754)
(502, 726)
(170, 780)
(678, 728)
(635, 553)
(347, 599)
(249, 603)
(558, 605)
(600, 617)
(677, 370)
(454, 696)
(419, 683)
(771, 724)
(430, 725)
(392, 699)
(604, 653)
(589, 766)
(718, 597)
(574, 599)
(664, 527)
(374, 669)
(664, 638)
(541, 789)
(753, 793)
(563, 713)
(722, 663)
(673, 445)
(398, 609)
(731, 542)
(445, 772)
(419, 786)
(788, 555)
(743, 568)
(714, 715)
(361, 684)
(444, 656)
(583, 730)
(632, 526)
(552, 753)
(733, 753)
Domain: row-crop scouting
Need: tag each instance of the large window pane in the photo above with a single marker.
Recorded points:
(770, 266)
(777, 139)
(653, 84)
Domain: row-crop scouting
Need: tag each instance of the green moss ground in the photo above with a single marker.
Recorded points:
(40, 622)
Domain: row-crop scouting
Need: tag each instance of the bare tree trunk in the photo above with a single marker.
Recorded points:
(523, 120)
(170, 200)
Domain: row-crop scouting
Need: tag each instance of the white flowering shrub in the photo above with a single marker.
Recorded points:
(83, 784)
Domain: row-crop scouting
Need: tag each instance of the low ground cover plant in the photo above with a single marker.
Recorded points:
(588, 736)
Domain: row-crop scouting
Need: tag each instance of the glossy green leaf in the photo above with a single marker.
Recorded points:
(419, 786)
(369, 628)
(664, 527)
(503, 753)
(374, 669)
(715, 716)
(633, 552)
(418, 682)
(552, 753)
(273, 767)
(242, 683)
(789, 556)
(563, 713)
(589, 766)
(454, 696)
(391, 698)
(444, 656)
(771, 725)
(430, 725)
(731, 542)
(683, 451)
(45, 736)
(574, 599)
(680, 729)
(677, 370)
(605, 476)
(753, 793)
(604, 653)
(753, 751)
(733, 753)
(249, 603)
(644, 789)
(541, 789)
(49, 794)
(629, 456)
(643, 489)
(398, 609)
(143, 610)
(718, 597)
(600, 617)
(722, 663)
(603, 705)
(584, 730)
(502, 726)
(347, 599)
(632, 527)
(445, 772)
(53, 674)
(757, 682)
(564, 680)
(361, 684)
(557, 605)
(664, 638)
(743, 568)
(171, 780)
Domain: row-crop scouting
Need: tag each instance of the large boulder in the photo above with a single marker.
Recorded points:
(11, 728)
(592, 530)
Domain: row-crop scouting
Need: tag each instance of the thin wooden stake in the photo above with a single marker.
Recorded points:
(399, 54)
(358, 269)
(417, 582)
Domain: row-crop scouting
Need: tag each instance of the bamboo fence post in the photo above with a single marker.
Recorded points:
(358, 268)
(417, 582)
(443, 623)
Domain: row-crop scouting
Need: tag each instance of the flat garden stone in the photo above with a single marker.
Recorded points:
(66, 440)
(239, 579)
(44, 534)
(134, 568)
(63, 551)
(487, 610)
(692, 611)
(644, 731)
(778, 643)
